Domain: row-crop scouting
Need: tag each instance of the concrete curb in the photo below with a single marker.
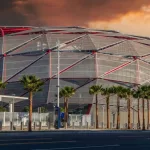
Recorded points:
(26, 133)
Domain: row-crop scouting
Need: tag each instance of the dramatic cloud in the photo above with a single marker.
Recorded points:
(8, 15)
(76, 12)
(89, 13)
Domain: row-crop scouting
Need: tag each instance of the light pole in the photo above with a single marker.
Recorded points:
(58, 85)
(54, 108)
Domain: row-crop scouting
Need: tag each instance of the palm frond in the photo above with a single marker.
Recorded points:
(31, 83)
(67, 92)
(95, 89)
(2, 85)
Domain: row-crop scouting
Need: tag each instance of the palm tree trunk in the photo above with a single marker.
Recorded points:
(129, 114)
(107, 102)
(118, 113)
(96, 111)
(139, 114)
(30, 111)
(143, 115)
(147, 113)
(65, 113)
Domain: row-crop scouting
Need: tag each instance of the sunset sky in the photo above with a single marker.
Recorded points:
(126, 16)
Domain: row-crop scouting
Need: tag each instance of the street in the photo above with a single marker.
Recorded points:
(76, 140)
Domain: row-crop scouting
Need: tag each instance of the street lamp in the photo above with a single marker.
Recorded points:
(58, 84)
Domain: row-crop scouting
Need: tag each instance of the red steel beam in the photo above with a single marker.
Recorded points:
(47, 52)
(4, 65)
(9, 30)
(20, 46)
(118, 67)
(23, 44)
(2, 33)
(77, 62)
(110, 71)
(83, 58)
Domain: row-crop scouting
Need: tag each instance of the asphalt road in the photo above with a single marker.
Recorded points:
(94, 140)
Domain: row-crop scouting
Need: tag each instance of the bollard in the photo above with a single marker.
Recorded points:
(111, 125)
(137, 125)
(1, 125)
(27, 125)
(14, 128)
(126, 125)
(87, 125)
(49, 125)
(94, 125)
(148, 127)
(80, 124)
(34, 125)
(11, 126)
(132, 126)
(73, 125)
(21, 126)
(40, 126)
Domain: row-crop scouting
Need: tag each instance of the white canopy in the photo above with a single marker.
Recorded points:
(10, 99)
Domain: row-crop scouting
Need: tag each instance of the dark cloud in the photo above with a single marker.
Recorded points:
(66, 12)
(8, 15)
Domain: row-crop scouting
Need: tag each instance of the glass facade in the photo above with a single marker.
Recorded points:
(87, 57)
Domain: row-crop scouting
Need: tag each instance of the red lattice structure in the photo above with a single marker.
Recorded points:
(87, 57)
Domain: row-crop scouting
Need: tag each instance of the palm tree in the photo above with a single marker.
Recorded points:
(2, 85)
(25, 109)
(32, 85)
(95, 90)
(67, 92)
(127, 95)
(2, 109)
(119, 91)
(148, 98)
(143, 91)
(148, 112)
(136, 95)
(106, 92)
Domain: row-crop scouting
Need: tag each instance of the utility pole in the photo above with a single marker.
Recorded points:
(58, 85)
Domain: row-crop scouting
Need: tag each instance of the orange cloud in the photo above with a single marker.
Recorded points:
(76, 12)
(132, 23)
(127, 16)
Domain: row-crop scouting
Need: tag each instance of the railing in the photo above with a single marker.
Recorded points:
(46, 121)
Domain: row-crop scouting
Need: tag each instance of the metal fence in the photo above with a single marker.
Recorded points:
(46, 121)
(18, 117)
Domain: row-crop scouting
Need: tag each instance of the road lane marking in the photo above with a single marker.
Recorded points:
(7, 140)
(86, 147)
(30, 143)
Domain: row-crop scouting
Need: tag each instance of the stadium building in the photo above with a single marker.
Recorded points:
(87, 57)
